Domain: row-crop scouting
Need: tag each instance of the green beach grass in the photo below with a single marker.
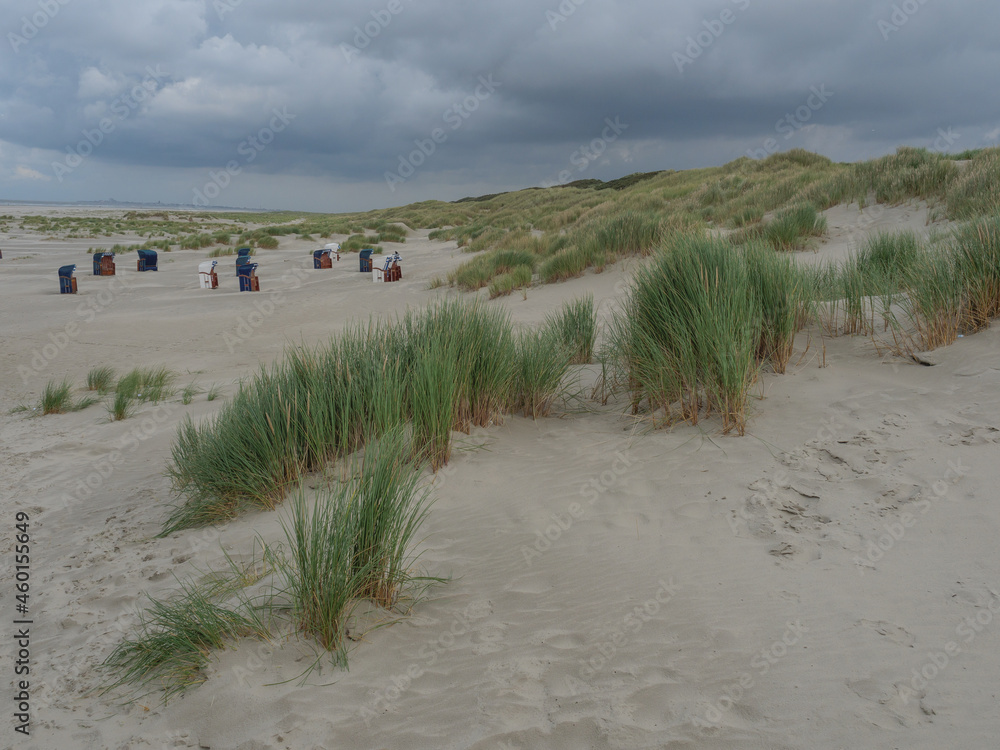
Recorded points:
(449, 367)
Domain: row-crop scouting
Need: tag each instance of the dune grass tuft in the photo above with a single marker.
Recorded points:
(543, 359)
(784, 298)
(934, 299)
(505, 283)
(122, 406)
(433, 390)
(101, 379)
(575, 325)
(351, 541)
(975, 191)
(478, 272)
(791, 226)
(57, 398)
(386, 509)
(976, 251)
(322, 583)
(570, 262)
(143, 384)
(171, 648)
(690, 332)
(189, 392)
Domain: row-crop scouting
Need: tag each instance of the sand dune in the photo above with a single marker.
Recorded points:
(828, 581)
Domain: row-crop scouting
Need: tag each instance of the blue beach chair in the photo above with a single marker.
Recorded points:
(248, 277)
(147, 260)
(366, 260)
(67, 282)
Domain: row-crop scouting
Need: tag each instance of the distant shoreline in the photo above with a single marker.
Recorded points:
(113, 204)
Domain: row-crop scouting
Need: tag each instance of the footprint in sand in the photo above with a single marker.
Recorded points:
(891, 631)
(488, 638)
(972, 435)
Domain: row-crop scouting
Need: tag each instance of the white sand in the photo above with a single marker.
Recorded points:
(702, 591)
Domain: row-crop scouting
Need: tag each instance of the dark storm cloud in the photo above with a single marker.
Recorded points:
(447, 94)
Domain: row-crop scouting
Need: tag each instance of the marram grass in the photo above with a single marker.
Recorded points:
(57, 398)
(543, 359)
(101, 379)
(322, 583)
(449, 367)
(152, 384)
(698, 324)
(575, 326)
(386, 507)
(353, 540)
(433, 392)
(505, 283)
(174, 640)
(976, 249)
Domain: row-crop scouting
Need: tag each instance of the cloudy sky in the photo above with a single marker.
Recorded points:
(325, 105)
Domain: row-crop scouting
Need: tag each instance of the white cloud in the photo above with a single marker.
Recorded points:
(22, 172)
(97, 85)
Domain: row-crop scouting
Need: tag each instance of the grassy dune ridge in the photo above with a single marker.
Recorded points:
(585, 224)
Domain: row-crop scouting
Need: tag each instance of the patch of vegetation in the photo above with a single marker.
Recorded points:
(354, 541)
(100, 379)
(172, 646)
(189, 392)
(698, 325)
(505, 283)
(57, 398)
(575, 326)
(153, 384)
(454, 366)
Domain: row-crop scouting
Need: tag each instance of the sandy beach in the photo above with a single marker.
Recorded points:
(829, 580)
